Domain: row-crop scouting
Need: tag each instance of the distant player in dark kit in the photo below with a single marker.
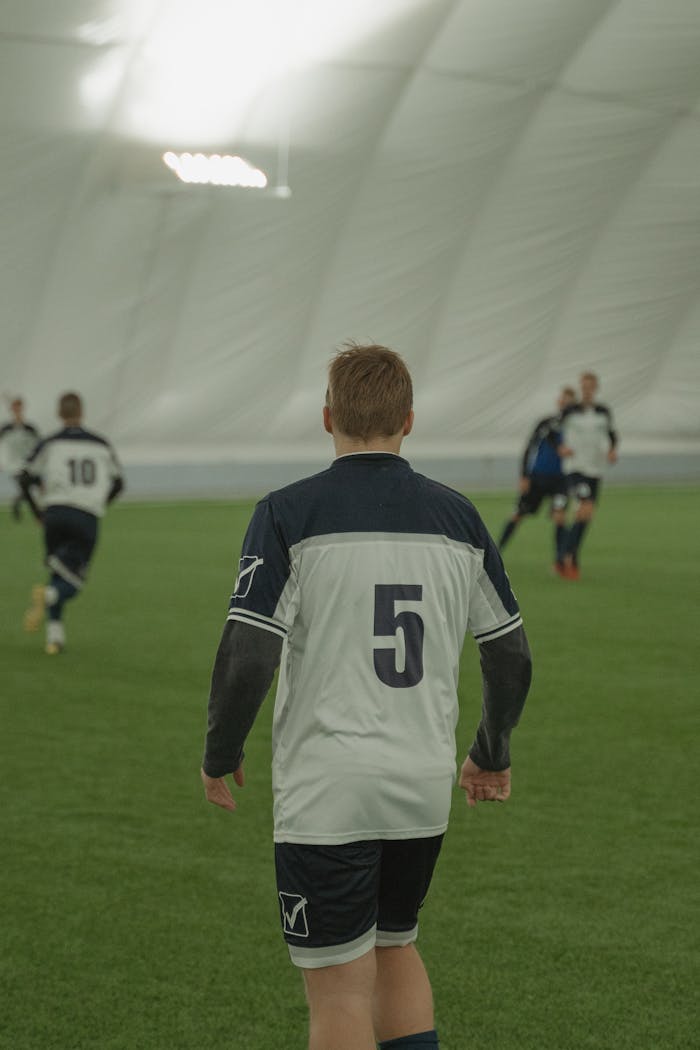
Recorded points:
(542, 477)
(78, 474)
(360, 582)
(589, 442)
(17, 439)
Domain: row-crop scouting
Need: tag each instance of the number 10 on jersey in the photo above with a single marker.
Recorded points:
(387, 621)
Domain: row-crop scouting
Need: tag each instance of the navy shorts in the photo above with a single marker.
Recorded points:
(543, 486)
(70, 536)
(583, 487)
(339, 902)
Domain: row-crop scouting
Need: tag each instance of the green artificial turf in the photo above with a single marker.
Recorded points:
(136, 916)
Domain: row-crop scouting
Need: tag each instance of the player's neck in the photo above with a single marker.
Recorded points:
(345, 446)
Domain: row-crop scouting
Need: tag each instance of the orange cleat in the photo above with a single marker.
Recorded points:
(571, 570)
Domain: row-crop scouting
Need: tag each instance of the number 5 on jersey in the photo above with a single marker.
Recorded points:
(387, 622)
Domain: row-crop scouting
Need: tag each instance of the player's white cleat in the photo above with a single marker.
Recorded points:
(34, 615)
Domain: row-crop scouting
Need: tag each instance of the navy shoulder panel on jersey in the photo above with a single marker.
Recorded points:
(67, 434)
(6, 429)
(79, 434)
(373, 492)
(370, 492)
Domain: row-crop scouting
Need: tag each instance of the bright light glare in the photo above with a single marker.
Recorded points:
(204, 64)
(215, 170)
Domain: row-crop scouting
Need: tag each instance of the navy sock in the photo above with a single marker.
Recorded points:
(576, 537)
(65, 591)
(560, 537)
(507, 533)
(419, 1041)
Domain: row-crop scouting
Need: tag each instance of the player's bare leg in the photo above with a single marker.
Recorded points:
(403, 998)
(340, 1005)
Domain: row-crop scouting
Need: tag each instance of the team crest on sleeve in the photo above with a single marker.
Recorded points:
(294, 914)
(246, 570)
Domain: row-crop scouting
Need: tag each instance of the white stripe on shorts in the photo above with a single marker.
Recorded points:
(396, 938)
(332, 955)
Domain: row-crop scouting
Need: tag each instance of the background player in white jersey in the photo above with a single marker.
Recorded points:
(78, 474)
(362, 581)
(589, 442)
(17, 439)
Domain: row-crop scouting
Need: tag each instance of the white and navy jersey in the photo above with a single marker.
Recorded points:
(589, 431)
(76, 468)
(16, 442)
(372, 574)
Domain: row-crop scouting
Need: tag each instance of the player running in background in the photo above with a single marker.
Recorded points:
(541, 477)
(79, 475)
(17, 439)
(363, 580)
(589, 441)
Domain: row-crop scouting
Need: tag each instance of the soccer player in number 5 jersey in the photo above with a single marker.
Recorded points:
(78, 474)
(360, 582)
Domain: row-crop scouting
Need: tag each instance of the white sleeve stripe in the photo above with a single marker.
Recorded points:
(258, 616)
(496, 632)
(257, 621)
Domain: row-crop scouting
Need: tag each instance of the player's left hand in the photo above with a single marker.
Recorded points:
(612, 456)
(484, 785)
(217, 790)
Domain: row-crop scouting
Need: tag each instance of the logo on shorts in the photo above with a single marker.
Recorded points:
(294, 914)
(246, 570)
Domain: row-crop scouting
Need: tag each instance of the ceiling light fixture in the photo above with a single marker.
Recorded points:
(215, 170)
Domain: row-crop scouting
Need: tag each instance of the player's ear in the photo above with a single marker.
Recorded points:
(408, 425)
(327, 421)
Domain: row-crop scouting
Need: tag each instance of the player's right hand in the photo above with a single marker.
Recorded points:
(217, 790)
(484, 785)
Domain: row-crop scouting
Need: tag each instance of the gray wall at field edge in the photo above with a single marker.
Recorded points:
(233, 480)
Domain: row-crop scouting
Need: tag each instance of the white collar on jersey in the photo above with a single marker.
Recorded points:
(369, 452)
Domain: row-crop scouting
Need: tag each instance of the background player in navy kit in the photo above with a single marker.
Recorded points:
(17, 439)
(79, 474)
(589, 442)
(542, 477)
(363, 580)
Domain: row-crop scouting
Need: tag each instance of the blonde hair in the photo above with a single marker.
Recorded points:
(369, 393)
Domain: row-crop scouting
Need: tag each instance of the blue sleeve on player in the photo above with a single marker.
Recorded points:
(263, 572)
